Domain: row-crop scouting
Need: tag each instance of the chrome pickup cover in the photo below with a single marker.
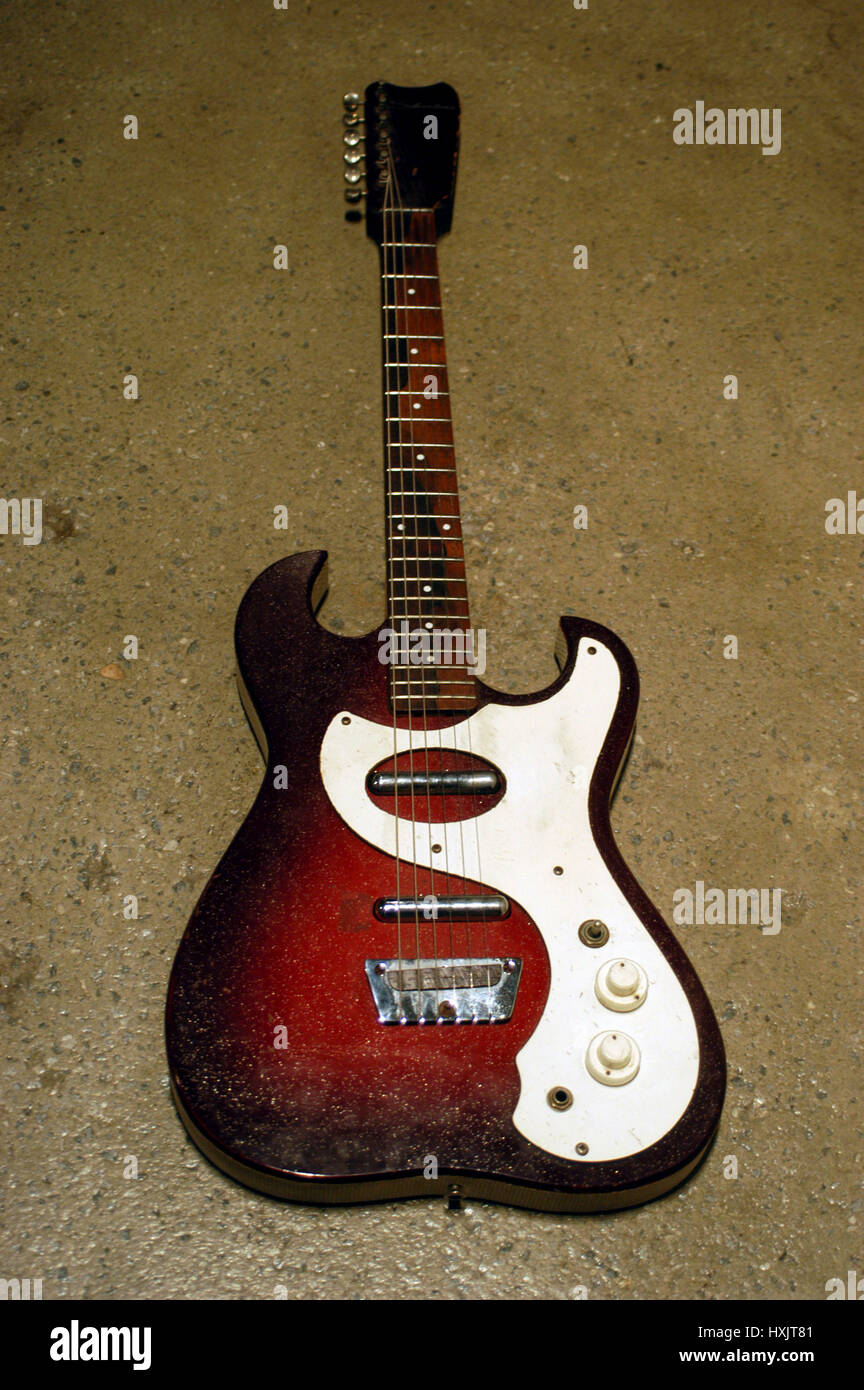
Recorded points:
(485, 907)
(454, 783)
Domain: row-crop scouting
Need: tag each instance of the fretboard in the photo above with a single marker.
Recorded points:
(426, 587)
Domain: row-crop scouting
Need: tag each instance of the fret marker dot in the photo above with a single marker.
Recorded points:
(420, 458)
(414, 352)
(446, 526)
(427, 588)
(416, 405)
(412, 291)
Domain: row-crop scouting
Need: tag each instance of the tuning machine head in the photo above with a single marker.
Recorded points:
(354, 153)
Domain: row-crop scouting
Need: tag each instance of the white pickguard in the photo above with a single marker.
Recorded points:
(547, 752)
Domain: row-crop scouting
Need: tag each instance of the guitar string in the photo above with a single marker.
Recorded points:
(410, 680)
(455, 622)
(394, 604)
(451, 619)
(388, 239)
(392, 194)
(393, 199)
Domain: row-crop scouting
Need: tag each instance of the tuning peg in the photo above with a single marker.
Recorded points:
(352, 120)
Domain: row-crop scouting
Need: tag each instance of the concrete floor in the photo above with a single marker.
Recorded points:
(601, 387)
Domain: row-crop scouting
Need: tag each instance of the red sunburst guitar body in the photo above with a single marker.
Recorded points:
(422, 966)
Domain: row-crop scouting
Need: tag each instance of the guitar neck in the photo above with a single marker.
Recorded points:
(426, 584)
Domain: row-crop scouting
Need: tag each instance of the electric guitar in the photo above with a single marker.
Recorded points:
(423, 966)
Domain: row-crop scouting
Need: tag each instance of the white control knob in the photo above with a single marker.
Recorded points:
(614, 1050)
(623, 977)
(613, 1058)
(621, 985)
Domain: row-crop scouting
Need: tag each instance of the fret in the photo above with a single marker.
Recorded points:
(406, 705)
(432, 244)
(440, 365)
(410, 562)
(424, 673)
(432, 685)
(428, 696)
(409, 337)
(405, 275)
(424, 578)
(417, 492)
(413, 563)
(419, 666)
(447, 518)
(403, 391)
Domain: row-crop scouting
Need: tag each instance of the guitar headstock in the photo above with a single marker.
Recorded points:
(411, 151)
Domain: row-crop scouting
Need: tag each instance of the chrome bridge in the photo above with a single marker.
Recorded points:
(461, 990)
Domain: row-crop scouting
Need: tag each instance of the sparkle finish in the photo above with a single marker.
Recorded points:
(279, 1066)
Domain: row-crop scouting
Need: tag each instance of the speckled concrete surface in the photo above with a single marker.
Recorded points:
(602, 387)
